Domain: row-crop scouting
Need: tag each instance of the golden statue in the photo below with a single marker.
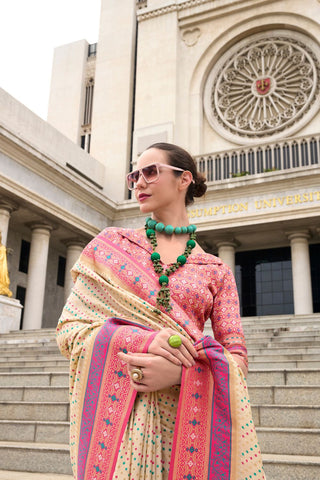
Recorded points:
(4, 275)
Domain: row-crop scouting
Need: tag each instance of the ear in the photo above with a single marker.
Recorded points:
(185, 180)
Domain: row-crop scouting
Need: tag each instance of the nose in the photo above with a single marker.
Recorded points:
(141, 181)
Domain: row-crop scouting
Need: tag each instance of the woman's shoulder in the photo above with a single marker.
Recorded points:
(120, 235)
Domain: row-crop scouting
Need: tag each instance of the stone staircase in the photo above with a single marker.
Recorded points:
(284, 387)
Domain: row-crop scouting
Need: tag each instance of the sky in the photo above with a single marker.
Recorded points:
(29, 32)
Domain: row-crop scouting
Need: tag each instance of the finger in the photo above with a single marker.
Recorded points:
(188, 345)
(135, 359)
(185, 356)
(172, 357)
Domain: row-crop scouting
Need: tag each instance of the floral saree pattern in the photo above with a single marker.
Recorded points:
(202, 429)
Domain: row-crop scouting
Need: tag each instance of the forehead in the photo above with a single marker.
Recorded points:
(152, 155)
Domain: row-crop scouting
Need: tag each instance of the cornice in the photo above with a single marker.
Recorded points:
(146, 14)
(50, 207)
(58, 175)
(220, 7)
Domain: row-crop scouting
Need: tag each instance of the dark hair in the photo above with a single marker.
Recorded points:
(178, 157)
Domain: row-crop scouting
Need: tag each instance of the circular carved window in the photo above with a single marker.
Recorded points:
(265, 86)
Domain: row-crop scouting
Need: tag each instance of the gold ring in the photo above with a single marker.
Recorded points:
(136, 374)
(175, 341)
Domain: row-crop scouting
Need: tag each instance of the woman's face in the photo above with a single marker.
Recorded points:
(161, 194)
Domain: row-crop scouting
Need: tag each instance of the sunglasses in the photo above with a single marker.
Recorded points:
(150, 174)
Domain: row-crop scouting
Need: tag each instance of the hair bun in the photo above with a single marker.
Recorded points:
(199, 187)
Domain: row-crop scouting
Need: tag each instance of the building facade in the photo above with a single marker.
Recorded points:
(237, 83)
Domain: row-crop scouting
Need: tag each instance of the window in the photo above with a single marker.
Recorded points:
(61, 271)
(24, 256)
(21, 296)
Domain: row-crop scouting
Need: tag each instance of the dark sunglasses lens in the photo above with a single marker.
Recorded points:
(150, 173)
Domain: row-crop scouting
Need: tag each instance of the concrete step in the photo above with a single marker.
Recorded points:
(34, 394)
(41, 379)
(284, 377)
(11, 475)
(27, 349)
(281, 320)
(280, 441)
(53, 357)
(291, 467)
(34, 431)
(29, 333)
(274, 357)
(40, 411)
(287, 350)
(26, 341)
(255, 377)
(282, 336)
(288, 364)
(294, 341)
(38, 368)
(287, 416)
(35, 457)
(285, 394)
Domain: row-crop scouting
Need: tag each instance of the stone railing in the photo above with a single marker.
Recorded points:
(264, 158)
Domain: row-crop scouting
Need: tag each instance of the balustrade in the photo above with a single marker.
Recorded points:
(259, 159)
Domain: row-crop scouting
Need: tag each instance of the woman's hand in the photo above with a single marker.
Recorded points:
(184, 355)
(158, 372)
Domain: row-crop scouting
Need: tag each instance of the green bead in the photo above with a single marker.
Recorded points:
(181, 259)
(147, 220)
(169, 229)
(194, 227)
(159, 227)
(191, 243)
(149, 233)
(175, 341)
(152, 223)
(163, 279)
(178, 230)
(184, 229)
(155, 256)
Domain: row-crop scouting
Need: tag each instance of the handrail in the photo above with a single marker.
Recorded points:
(249, 160)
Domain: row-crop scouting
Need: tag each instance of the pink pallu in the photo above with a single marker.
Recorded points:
(214, 436)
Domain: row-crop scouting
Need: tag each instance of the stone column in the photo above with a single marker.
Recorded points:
(74, 249)
(301, 273)
(5, 212)
(37, 271)
(226, 251)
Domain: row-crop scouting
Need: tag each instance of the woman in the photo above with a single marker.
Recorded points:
(151, 396)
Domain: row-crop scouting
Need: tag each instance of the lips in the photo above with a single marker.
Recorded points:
(143, 196)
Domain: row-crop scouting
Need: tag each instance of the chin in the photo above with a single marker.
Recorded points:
(145, 208)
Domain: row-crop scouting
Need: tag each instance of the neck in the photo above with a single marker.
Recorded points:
(171, 218)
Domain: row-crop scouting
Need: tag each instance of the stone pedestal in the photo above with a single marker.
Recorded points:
(10, 314)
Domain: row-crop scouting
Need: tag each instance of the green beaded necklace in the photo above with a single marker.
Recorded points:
(151, 226)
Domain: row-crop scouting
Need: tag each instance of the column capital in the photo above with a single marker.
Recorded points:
(74, 242)
(8, 205)
(226, 241)
(41, 226)
(295, 234)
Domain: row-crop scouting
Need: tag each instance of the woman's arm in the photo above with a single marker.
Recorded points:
(225, 318)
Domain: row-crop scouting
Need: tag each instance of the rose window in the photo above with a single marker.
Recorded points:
(265, 85)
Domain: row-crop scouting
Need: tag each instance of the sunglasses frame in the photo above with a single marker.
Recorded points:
(140, 171)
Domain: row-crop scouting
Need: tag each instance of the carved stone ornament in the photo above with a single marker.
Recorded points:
(266, 86)
(191, 36)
